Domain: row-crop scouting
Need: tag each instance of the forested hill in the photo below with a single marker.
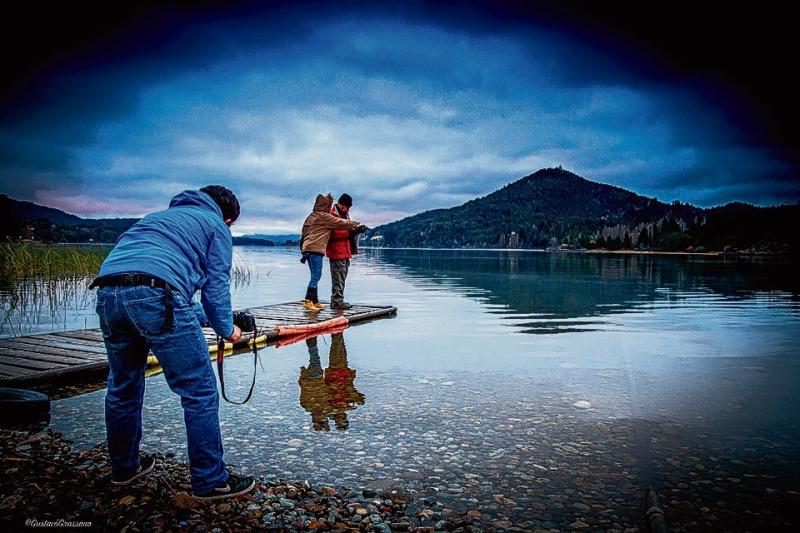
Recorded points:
(556, 208)
(26, 220)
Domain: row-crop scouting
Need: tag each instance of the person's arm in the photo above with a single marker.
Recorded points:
(216, 293)
(333, 222)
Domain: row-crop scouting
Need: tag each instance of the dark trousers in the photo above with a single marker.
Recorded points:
(338, 277)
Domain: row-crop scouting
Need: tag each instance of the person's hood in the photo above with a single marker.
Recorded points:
(323, 203)
(196, 199)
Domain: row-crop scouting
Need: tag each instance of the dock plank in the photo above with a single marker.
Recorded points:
(36, 356)
(84, 334)
(20, 347)
(15, 371)
(33, 364)
(72, 340)
(70, 355)
(60, 345)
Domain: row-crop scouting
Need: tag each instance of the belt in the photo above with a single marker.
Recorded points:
(135, 280)
(130, 280)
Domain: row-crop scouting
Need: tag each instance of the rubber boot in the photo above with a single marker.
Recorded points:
(315, 299)
(308, 302)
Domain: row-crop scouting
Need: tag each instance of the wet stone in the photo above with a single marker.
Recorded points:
(286, 504)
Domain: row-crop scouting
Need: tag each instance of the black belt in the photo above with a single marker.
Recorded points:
(135, 280)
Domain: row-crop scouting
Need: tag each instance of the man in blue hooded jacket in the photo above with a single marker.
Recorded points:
(145, 303)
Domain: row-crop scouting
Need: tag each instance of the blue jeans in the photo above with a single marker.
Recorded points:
(131, 319)
(315, 266)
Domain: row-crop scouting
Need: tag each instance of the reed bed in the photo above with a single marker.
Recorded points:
(21, 261)
(240, 275)
(43, 287)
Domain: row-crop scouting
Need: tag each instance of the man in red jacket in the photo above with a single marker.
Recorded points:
(341, 247)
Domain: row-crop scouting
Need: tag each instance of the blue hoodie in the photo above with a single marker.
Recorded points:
(190, 247)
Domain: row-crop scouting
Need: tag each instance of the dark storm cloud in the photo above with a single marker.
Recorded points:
(407, 107)
(21, 154)
(718, 176)
(70, 69)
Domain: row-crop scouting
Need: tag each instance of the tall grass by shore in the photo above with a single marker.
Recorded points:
(21, 261)
(41, 283)
(18, 261)
(47, 284)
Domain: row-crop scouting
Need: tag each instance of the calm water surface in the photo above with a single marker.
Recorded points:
(542, 388)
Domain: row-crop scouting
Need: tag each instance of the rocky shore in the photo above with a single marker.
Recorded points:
(45, 483)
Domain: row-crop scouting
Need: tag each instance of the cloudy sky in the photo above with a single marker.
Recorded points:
(405, 107)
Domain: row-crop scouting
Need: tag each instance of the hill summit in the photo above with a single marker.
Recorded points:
(556, 208)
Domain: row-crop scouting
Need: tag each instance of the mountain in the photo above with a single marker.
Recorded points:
(552, 208)
(246, 240)
(260, 239)
(556, 208)
(19, 209)
(27, 220)
(277, 239)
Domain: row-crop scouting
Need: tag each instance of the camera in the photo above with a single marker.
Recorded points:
(245, 320)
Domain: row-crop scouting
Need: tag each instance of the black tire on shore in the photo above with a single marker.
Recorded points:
(20, 406)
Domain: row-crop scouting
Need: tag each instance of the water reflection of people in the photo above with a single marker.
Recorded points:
(329, 393)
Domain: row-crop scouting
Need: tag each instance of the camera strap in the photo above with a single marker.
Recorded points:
(221, 362)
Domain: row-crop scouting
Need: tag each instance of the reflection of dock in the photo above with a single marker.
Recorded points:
(70, 355)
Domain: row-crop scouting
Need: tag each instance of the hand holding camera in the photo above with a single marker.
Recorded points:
(244, 320)
(236, 335)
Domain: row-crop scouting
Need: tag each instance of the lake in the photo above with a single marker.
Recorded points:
(548, 389)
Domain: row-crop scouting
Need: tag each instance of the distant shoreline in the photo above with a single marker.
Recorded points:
(621, 252)
(527, 250)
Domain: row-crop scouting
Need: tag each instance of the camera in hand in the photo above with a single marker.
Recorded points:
(245, 320)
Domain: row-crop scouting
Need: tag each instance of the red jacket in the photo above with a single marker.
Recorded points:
(339, 242)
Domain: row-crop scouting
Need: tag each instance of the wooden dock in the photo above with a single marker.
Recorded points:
(69, 355)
